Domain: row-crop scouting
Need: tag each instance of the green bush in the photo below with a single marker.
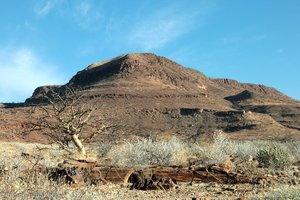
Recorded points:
(275, 156)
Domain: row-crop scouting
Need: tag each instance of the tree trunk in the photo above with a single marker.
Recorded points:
(78, 144)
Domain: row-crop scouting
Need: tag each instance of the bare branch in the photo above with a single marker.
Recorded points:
(67, 114)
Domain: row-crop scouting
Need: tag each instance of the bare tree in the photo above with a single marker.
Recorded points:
(67, 117)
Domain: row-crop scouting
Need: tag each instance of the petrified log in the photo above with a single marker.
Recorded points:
(79, 172)
(71, 172)
(74, 172)
(61, 174)
(141, 182)
(78, 164)
(110, 174)
(213, 174)
(203, 174)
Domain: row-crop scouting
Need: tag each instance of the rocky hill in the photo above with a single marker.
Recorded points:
(149, 95)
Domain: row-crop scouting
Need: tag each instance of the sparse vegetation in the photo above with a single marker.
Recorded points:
(274, 155)
(19, 180)
(295, 149)
(286, 193)
(222, 146)
(142, 153)
(149, 152)
(37, 186)
(66, 117)
(102, 148)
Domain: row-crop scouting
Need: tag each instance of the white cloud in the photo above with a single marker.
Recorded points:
(157, 33)
(164, 26)
(21, 71)
(83, 8)
(44, 7)
(87, 15)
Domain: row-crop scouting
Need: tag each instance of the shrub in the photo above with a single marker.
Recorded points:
(219, 149)
(275, 156)
(246, 149)
(103, 148)
(295, 148)
(149, 152)
(286, 193)
(222, 146)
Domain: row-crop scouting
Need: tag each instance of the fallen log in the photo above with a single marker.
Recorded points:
(155, 182)
(110, 174)
(204, 175)
(74, 172)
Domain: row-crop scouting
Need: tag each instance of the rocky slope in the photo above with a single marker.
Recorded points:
(146, 94)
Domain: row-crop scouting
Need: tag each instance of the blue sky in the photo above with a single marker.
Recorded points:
(46, 42)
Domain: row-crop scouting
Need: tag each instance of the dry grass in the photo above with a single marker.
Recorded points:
(19, 181)
(221, 147)
(142, 153)
(295, 149)
(149, 152)
(290, 192)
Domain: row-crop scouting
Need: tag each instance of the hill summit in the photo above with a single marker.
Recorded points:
(146, 74)
(136, 71)
(150, 95)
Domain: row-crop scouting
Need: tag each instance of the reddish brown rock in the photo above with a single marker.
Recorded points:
(150, 95)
